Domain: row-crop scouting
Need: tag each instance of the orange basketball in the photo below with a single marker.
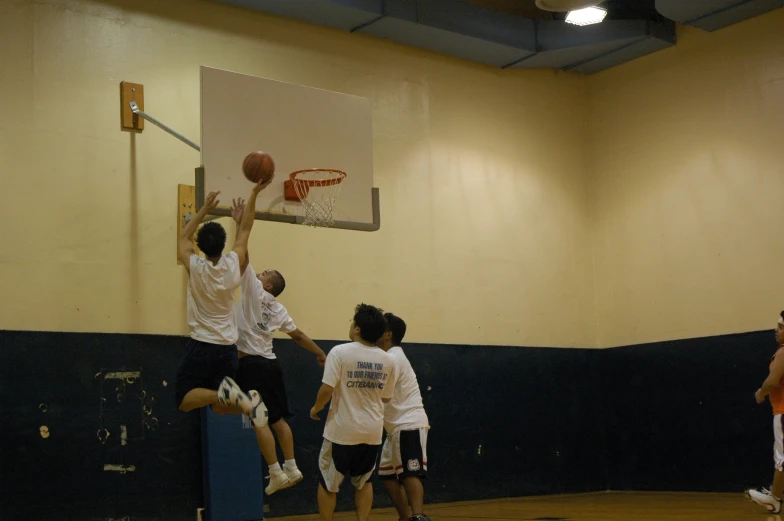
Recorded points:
(258, 167)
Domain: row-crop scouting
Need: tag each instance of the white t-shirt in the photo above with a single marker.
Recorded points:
(405, 411)
(361, 376)
(258, 316)
(211, 299)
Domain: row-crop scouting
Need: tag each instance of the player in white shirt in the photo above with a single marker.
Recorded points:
(358, 378)
(404, 456)
(204, 376)
(259, 315)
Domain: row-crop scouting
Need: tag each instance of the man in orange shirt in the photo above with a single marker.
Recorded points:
(774, 386)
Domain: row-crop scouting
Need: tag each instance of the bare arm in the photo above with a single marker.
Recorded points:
(246, 224)
(324, 395)
(305, 342)
(184, 244)
(773, 380)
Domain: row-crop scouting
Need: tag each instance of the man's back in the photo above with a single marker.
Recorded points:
(211, 299)
(405, 411)
(362, 376)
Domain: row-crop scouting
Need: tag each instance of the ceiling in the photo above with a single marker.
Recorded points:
(517, 34)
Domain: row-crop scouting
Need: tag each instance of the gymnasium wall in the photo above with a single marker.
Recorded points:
(479, 202)
(687, 184)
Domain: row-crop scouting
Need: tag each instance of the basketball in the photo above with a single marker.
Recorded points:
(258, 167)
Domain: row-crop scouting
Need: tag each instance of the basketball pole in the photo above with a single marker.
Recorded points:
(136, 110)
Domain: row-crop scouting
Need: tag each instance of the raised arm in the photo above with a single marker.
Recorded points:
(184, 244)
(246, 224)
(305, 342)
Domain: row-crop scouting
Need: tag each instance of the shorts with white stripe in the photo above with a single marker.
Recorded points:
(404, 455)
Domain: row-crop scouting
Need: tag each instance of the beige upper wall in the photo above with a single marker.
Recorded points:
(485, 234)
(687, 186)
(518, 207)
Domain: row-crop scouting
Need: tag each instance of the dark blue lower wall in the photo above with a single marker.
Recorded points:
(506, 421)
(683, 415)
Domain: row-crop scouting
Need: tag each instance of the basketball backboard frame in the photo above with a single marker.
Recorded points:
(290, 218)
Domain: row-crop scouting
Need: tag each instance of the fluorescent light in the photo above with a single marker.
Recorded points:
(587, 16)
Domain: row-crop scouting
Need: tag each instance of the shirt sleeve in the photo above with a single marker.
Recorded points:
(332, 368)
(287, 325)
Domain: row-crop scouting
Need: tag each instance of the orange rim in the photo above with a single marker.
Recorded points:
(318, 182)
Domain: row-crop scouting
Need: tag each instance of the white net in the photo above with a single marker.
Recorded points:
(318, 189)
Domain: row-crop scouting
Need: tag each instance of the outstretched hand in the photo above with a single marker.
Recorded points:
(212, 201)
(264, 184)
(237, 209)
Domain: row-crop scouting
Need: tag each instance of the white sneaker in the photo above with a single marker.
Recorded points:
(294, 475)
(278, 481)
(229, 393)
(766, 499)
(260, 414)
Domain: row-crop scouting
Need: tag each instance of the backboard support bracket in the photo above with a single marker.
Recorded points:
(132, 113)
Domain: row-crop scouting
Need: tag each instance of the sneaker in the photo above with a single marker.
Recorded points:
(419, 517)
(766, 499)
(229, 393)
(260, 414)
(278, 481)
(294, 475)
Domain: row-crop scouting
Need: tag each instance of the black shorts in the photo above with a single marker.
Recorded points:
(358, 462)
(204, 366)
(265, 376)
(404, 455)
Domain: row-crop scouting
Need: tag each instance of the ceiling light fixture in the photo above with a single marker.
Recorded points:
(587, 16)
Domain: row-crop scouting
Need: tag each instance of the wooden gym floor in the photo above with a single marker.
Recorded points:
(603, 506)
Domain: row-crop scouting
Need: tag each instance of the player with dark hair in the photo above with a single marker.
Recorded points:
(773, 386)
(359, 378)
(259, 315)
(404, 455)
(205, 375)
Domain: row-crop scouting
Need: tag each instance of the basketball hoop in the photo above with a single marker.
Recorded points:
(318, 189)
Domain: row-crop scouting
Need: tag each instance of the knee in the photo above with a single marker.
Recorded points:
(279, 425)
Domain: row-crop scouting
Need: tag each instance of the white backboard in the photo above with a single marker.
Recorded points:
(300, 127)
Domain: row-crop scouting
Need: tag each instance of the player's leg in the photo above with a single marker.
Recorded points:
(363, 501)
(330, 479)
(250, 377)
(778, 484)
(326, 503)
(202, 377)
(285, 439)
(771, 499)
(361, 468)
(413, 451)
(273, 391)
(398, 495)
(416, 495)
(390, 458)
